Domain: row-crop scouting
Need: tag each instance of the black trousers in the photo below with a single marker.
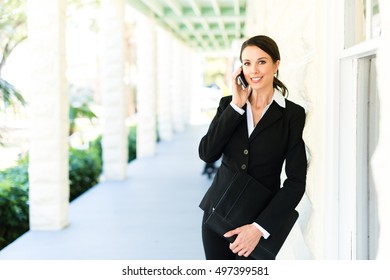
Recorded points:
(216, 247)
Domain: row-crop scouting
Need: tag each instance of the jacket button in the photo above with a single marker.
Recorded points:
(243, 167)
(246, 152)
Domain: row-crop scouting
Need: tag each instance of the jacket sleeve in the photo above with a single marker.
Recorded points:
(220, 130)
(288, 197)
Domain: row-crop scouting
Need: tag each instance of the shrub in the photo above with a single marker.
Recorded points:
(84, 170)
(132, 143)
(85, 167)
(14, 211)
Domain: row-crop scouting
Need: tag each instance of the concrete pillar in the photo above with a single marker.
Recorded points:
(164, 83)
(177, 86)
(187, 68)
(49, 119)
(146, 87)
(196, 82)
(196, 86)
(112, 59)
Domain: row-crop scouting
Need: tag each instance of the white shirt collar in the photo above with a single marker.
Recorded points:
(277, 97)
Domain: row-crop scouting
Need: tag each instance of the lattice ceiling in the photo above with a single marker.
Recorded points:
(207, 25)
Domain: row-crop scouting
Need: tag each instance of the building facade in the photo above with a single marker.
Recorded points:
(334, 63)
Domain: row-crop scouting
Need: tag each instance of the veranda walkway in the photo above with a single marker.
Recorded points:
(152, 215)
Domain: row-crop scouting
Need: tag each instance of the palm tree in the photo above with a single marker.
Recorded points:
(13, 26)
(80, 111)
(9, 94)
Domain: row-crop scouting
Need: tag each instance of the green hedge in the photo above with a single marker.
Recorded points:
(132, 143)
(85, 167)
(14, 218)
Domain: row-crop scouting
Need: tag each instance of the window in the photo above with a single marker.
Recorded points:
(362, 21)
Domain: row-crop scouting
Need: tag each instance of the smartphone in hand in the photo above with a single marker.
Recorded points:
(241, 79)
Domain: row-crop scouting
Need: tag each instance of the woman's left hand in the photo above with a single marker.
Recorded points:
(248, 236)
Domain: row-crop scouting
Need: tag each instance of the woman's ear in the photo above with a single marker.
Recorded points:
(276, 66)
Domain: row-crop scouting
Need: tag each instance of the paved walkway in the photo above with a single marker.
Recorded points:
(153, 214)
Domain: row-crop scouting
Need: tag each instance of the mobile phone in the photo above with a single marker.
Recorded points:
(241, 79)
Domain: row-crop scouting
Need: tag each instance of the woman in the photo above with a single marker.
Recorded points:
(255, 130)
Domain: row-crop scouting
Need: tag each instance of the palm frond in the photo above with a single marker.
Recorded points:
(10, 95)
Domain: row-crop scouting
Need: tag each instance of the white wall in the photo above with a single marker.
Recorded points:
(380, 160)
(323, 77)
(304, 32)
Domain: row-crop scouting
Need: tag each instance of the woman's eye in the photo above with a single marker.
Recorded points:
(262, 62)
(246, 63)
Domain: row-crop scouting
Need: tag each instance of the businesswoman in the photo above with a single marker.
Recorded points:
(255, 130)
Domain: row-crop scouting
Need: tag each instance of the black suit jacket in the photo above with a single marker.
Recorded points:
(276, 139)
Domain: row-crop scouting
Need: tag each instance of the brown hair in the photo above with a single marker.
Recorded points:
(271, 48)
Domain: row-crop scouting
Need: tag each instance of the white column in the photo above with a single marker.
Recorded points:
(187, 68)
(164, 81)
(196, 76)
(146, 87)
(114, 141)
(177, 86)
(380, 161)
(48, 110)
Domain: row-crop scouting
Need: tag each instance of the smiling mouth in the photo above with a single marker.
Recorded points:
(255, 79)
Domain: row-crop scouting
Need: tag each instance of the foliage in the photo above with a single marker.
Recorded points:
(13, 26)
(84, 170)
(77, 15)
(9, 94)
(14, 211)
(96, 146)
(132, 143)
(80, 111)
(85, 167)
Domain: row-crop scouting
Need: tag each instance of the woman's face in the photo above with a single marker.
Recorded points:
(258, 67)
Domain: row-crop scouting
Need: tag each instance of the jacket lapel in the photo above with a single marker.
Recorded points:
(273, 114)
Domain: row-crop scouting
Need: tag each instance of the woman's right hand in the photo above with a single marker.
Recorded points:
(240, 96)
